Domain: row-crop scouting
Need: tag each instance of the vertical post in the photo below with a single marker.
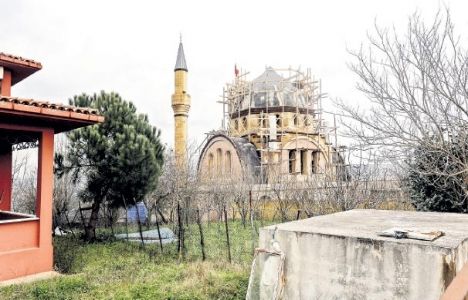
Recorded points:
(181, 242)
(250, 206)
(5, 177)
(298, 215)
(228, 242)
(297, 162)
(202, 240)
(140, 229)
(253, 229)
(45, 184)
(5, 83)
(308, 163)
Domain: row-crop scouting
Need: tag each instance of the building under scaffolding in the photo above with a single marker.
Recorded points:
(272, 127)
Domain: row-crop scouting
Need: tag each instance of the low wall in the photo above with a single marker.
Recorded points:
(20, 250)
(340, 256)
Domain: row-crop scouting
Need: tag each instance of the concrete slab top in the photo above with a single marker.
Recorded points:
(366, 223)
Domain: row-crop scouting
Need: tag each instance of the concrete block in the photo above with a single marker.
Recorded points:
(340, 256)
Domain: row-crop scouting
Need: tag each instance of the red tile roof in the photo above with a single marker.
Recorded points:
(20, 60)
(20, 67)
(34, 107)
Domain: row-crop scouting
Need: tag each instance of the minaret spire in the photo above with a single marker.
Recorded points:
(180, 62)
(181, 107)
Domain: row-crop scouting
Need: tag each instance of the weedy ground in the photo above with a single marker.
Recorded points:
(112, 269)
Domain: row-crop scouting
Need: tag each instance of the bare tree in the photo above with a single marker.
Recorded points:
(174, 199)
(24, 176)
(65, 195)
(416, 84)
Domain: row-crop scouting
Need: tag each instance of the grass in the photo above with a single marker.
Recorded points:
(121, 270)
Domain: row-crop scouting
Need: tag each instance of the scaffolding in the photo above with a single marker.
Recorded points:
(255, 110)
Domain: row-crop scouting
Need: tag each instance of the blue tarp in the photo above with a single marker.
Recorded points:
(132, 215)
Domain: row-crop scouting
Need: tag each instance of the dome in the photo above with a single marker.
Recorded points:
(270, 89)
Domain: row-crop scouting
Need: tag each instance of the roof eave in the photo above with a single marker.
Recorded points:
(20, 67)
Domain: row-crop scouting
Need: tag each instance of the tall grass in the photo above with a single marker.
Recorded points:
(121, 270)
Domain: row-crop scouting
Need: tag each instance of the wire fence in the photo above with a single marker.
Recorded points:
(188, 233)
(218, 231)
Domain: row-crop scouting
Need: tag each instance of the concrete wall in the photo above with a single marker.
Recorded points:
(26, 244)
(354, 266)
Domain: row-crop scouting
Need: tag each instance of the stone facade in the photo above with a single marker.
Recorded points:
(285, 132)
(225, 156)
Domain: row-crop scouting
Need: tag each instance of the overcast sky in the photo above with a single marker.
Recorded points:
(130, 46)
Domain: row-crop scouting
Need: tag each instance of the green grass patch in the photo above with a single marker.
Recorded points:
(121, 270)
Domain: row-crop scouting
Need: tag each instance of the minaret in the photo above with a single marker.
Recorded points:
(181, 107)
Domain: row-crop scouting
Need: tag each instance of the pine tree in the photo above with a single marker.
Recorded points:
(119, 159)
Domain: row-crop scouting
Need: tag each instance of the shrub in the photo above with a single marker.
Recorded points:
(437, 181)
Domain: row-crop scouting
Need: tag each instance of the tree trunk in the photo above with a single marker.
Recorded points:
(112, 223)
(69, 225)
(90, 229)
(148, 215)
(140, 229)
(163, 219)
(126, 217)
(83, 224)
(159, 233)
(252, 224)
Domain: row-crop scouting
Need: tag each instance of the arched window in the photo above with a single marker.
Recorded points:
(292, 161)
(307, 120)
(210, 163)
(236, 124)
(228, 162)
(295, 120)
(278, 121)
(244, 123)
(219, 159)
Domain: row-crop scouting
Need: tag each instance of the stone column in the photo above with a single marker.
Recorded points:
(297, 165)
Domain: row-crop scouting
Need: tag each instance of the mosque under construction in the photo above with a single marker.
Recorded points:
(273, 127)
